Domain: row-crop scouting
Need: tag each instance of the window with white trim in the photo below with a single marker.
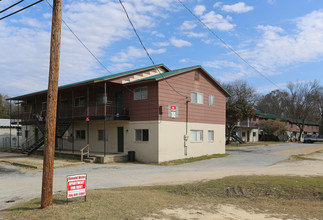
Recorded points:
(140, 93)
(196, 136)
(210, 135)
(211, 100)
(142, 134)
(197, 97)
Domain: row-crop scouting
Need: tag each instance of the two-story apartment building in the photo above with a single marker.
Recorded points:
(158, 113)
(250, 129)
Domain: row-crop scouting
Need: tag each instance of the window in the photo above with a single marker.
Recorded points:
(142, 135)
(254, 134)
(101, 98)
(197, 97)
(79, 101)
(291, 125)
(26, 133)
(80, 134)
(211, 135)
(196, 136)
(243, 134)
(211, 100)
(254, 119)
(140, 93)
(101, 135)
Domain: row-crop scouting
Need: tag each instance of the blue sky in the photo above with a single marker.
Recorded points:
(283, 39)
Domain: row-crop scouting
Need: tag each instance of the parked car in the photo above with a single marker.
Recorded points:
(313, 138)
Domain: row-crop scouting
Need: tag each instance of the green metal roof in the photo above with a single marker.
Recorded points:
(292, 120)
(92, 80)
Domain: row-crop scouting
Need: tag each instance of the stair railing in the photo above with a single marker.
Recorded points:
(86, 153)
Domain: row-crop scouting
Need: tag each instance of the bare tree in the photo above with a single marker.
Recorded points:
(302, 99)
(240, 105)
(272, 103)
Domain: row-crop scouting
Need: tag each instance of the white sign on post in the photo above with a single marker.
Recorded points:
(76, 186)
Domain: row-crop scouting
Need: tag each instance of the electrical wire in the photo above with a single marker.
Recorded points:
(143, 46)
(11, 6)
(82, 43)
(228, 46)
(20, 10)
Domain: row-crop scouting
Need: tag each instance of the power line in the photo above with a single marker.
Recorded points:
(227, 45)
(143, 46)
(82, 43)
(11, 6)
(21, 9)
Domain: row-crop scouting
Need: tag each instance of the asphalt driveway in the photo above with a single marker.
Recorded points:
(17, 186)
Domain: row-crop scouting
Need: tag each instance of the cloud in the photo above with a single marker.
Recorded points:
(99, 24)
(277, 50)
(133, 53)
(188, 25)
(199, 10)
(194, 34)
(179, 42)
(217, 21)
(239, 7)
(278, 47)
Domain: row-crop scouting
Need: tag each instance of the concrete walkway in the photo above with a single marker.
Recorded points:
(17, 186)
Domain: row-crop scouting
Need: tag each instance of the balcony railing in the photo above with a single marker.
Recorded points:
(111, 111)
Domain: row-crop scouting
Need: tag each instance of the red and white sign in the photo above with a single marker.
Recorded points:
(87, 119)
(76, 186)
(173, 111)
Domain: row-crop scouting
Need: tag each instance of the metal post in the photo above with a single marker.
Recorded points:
(88, 114)
(50, 131)
(105, 116)
(10, 123)
(18, 124)
(73, 121)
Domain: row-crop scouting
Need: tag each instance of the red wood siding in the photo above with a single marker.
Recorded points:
(199, 113)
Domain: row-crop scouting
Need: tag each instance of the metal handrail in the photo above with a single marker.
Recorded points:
(86, 153)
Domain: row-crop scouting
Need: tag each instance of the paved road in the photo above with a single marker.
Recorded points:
(16, 186)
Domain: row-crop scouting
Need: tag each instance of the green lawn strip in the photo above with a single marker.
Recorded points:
(190, 160)
(254, 144)
(299, 197)
(301, 157)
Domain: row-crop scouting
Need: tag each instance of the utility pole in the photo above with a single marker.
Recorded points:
(50, 128)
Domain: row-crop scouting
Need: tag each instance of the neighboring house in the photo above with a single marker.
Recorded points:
(9, 134)
(250, 129)
(158, 113)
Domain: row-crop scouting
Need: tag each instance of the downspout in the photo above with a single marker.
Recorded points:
(105, 115)
(186, 129)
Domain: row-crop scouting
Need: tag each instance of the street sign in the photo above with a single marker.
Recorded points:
(76, 186)
(87, 119)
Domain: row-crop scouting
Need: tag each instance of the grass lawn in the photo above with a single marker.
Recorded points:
(254, 144)
(190, 160)
(295, 197)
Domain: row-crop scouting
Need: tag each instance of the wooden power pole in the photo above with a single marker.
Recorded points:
(50, 128)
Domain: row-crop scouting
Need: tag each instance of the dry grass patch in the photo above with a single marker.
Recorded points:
(292, 197)
(255, 144)
(191, 159)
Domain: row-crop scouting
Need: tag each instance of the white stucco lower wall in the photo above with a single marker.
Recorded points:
(171, 140)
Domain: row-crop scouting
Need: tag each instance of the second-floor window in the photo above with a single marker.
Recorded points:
(140, 93)
(79, 101)
(197, 97)
(211, 100)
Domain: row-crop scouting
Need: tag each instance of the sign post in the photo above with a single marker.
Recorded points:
(76, 186)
